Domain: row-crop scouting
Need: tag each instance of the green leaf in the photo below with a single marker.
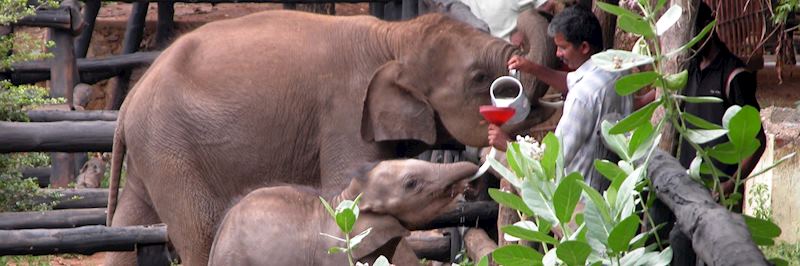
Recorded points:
(514, 159)
(700, 136)
(699, 122)
(527, 234)
(328, 207)
(676, 81)
(609, 170)
(761, 227)
(763, 241)
(616, 142)
(635, 26)
(659, 5)
(573, 252)
(641, 47)
(636, 119)
(484, 261)
(599, 202)
(333, 237)
(621, 235)
(779, 262)
(618, 60)
(726, 118)
(730, 154)
(641, 136)
(744, 126)
(510, 200)
(513, 255)
(634, 82)
(540, 204)
(550, 155)
(699, 99)
(383, 261)
(631, 258)
(504, 172)
(694, 40)
(617, 10)
(566, 197)
(335, 250)
(669, 19)
(345, 220)
(664, 258)
(694, 168)
(357, 239)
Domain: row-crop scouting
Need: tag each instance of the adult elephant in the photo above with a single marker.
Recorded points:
(289, 97)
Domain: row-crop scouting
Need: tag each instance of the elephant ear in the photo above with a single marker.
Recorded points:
(386, 230)
(394, 109)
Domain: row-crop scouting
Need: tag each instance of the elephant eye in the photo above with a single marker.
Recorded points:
(410, 184)
(479, 77)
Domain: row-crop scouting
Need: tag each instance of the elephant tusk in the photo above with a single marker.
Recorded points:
(554, 105)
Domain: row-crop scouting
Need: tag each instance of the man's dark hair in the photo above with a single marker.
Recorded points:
(577, 25)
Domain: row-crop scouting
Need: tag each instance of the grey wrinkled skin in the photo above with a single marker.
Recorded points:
(290, 97)
(282, 225)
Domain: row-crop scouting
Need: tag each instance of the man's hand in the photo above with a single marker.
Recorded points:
(521, 64)
(497, 138)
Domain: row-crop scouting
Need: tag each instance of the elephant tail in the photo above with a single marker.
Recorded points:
(117, 156)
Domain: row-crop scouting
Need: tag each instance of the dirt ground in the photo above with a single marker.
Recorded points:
(109, 33)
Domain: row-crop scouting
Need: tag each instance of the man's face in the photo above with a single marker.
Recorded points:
(573, 56)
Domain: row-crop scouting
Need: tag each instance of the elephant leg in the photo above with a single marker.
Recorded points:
(132, 209)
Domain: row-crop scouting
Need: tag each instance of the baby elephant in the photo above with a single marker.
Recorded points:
(92, 173)
(282, 225)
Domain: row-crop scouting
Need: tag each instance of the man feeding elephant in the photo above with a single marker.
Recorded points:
(577, 35)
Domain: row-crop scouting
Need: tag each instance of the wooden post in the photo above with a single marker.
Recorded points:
(505, 216)
(321, 8)
(152, 255)
(376, 9)
(90, 10)
(133, 37)
(290, 6)
(166, 23)
(478, 244)
(57, 115)
(410, 9)
(466, 213)
(90, 70)
(431, 248)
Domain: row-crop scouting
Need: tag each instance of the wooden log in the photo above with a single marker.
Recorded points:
(52, 219)
(90, 70)
(83, 240)
(430, 247)
(48, 18)
(83, 198)
(42, 175)
(59, 115)
(134, 31)
(478, 244)
(83, 136)
(466, 213)
(719, 237)
(90, 11)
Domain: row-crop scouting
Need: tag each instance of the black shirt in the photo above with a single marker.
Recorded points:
(711, 81)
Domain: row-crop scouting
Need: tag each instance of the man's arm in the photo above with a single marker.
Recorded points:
(554, 78)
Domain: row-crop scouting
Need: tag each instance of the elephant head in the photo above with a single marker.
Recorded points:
(439, 77)
(412, 191)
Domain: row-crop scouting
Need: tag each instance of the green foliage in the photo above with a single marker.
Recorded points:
(784, 8)
(346, 215)
(26, 260)
(13, 10)
(17, 194)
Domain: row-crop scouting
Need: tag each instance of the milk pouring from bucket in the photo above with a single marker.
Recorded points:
(510, 85)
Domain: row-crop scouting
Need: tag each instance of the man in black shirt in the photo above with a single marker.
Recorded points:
(714, 71)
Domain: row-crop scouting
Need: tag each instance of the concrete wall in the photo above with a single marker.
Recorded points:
(782, 126)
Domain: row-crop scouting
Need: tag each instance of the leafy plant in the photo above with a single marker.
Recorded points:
(346, 215)
(607, 231)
